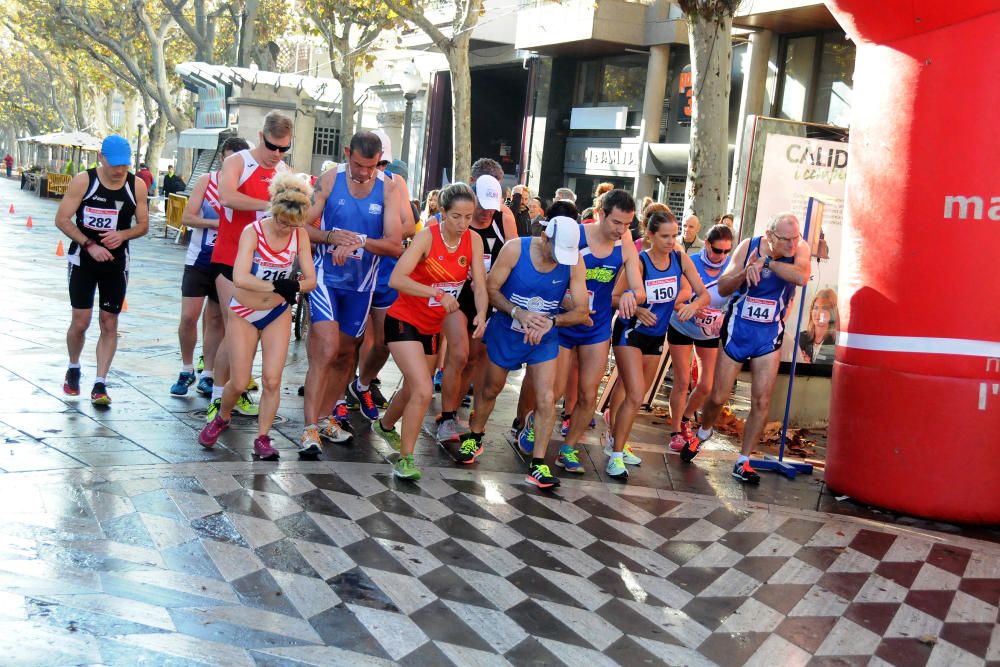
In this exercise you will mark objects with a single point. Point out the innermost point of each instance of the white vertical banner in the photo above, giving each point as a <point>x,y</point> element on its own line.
<point>807,177</point>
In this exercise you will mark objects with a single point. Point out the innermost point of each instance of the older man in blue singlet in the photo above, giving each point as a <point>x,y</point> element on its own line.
<point>762,276</point>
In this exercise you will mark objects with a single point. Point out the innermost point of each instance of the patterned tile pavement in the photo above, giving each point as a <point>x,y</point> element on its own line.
<point>337,563</point>
<point>123,543</point>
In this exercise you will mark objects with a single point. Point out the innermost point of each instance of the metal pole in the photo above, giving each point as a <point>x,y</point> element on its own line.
<point>407,120</point>
<point>795,356</point>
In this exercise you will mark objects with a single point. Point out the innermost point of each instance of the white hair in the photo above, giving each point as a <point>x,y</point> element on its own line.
<point>778,218</point>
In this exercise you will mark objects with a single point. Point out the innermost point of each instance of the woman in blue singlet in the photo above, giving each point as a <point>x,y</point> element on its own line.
<point>638,341</point>
<point>700,333</point>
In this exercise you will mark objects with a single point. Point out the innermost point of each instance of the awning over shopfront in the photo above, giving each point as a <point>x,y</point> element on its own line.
<point>670,159</point>
<point>201,138</point>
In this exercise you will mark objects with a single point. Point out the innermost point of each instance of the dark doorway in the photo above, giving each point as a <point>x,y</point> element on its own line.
<point>498,107</point>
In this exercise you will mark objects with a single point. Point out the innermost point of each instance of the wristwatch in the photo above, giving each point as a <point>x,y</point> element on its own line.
<point>552,317</point>
<point>512,311</point>
<point>363,238</point>
<point>767,261</point>
<point>439,295</point>
<point>87,243</point>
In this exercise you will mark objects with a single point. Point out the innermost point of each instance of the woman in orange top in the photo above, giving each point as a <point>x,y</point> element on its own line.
<point>429,276</point>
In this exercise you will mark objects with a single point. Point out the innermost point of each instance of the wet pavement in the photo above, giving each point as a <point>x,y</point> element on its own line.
<point>124,542</point>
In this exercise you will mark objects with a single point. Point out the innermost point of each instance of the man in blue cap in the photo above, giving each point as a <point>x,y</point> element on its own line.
<point>96,214</point>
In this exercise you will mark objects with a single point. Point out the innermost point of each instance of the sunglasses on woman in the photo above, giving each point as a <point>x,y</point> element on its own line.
<point>276,147</point>
<point>720,252</point>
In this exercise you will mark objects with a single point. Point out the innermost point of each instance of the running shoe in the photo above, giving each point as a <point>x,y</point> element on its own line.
<point>607,441</point>
<point>515,427</point>
<point>404,469</point>
<point>99,395</point>
<point>309,445</point>
<point>564,429</point>
<point>541,477</point>
<point>252,385</point>
<point>391,437</point>
<point>352,403</point>
<point>688,432</point>
<point>205,386</point>
<point>526,436</point>
<point>184,380</point>
<point>447,430</point>
<point>569,460</point>
<point>245,406</point>
<point>467,401</point>
<point>438,377</point>
<point>679,442</point>
<point>71,385</point>
<point>628,456</point>
<point>616,468</point>
<point>466,449</point>
<point>200,366</point>
<point>213,409</point>
<point>593,422</point>
<point>343,418</point>
<point>377,397</point>
<point>213,429</point>
<point>607,418</point>
<point>364,398</point>
<point>745,473</point>
<point>329,429</point>
<point>263,448</point>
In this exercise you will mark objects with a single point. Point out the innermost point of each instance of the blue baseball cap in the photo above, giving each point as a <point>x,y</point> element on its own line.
<point>116,150</point>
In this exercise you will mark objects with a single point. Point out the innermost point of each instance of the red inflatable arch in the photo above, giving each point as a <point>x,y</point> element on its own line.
<point>915,413</point>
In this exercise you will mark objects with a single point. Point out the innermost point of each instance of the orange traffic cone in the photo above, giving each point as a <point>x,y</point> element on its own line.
<point>28,224</point>
<point>59,249</point>
<point>11,209</point>
<point>124,305</point>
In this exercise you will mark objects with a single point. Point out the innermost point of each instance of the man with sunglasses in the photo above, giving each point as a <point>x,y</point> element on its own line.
<point>357,207</point>
<point>762,277</point>
<point>243,184</point>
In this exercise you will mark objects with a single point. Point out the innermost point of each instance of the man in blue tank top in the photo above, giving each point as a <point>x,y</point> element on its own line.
<point>201,216</point>
<point>762,278</point>
<point>358,212</point>
<point>606,248</point>
<point>526,285</point>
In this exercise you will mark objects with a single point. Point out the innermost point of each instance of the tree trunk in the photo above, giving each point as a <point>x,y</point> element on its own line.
<point>347,109</point>
<point>79,105</point>
<point>248,32</point>
<point>156,139</point>
<point>131,115</point>
<point>711,55</point>
<point>461,107</point>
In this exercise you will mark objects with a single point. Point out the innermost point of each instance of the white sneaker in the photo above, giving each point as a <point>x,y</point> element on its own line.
<point>329,430</point>
<point>628,456</point>
<point>448,431</point>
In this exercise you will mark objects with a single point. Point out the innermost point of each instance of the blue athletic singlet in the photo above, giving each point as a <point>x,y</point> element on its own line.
<point>755,318</point>
<point>708,324</point>
<point>532,290</point>
<point>199,252</point>
<point>362,216</point>
<point>661,293</point>
<point>385,266</point>
<point>601,276</point>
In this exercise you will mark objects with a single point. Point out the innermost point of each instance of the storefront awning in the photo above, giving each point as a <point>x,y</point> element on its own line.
<point>670,159</point>
<point>202,138</point>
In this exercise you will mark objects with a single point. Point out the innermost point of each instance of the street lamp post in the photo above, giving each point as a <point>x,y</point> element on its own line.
<point>410,82</point>
<point>138,145</point>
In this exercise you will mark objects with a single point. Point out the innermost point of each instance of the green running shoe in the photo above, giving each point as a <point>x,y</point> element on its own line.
<point>391,437</point>
<point>245,406</point>
<point>404,468</point>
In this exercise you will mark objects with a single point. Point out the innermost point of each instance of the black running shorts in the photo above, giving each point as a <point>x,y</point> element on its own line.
<point>625,336</point>
<point>398,331</point>
<point>198,283</point>
<point>675,337</point>
<point>109,279</point>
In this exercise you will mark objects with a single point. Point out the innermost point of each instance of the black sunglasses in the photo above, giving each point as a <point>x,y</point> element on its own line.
<point>276,147</point>
<point>720,252</point>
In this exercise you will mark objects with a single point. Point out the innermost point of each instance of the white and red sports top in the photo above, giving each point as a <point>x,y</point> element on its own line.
<point>253,182</point>
<point>271,264</point>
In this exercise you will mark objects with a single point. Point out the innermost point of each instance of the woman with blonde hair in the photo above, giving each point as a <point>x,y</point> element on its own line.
<point>817,342</point>
<point>265,290</point>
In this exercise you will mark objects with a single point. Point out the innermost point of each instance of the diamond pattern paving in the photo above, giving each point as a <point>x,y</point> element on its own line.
<point>240,563</point>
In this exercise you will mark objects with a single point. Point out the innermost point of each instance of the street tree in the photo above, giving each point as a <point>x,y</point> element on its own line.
<point>710,24</point>
<point>453,42</point>
<point>349,27</point>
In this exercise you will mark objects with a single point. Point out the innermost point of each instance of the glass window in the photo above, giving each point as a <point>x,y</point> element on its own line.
<point>835,81</point>
<point>616,81</point>
<point>798,72</point>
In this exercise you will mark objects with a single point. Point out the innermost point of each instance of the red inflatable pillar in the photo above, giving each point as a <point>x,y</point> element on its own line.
<point>915,412</point>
